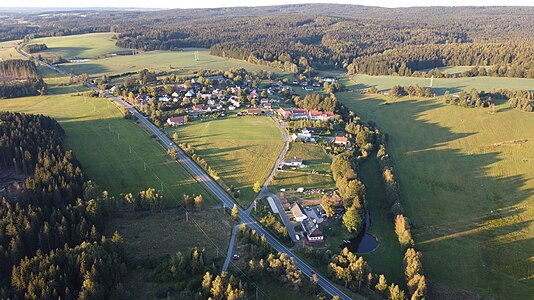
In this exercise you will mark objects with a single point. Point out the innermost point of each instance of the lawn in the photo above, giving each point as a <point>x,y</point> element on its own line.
<point>8,51</point>
<point>101,139</point>
<point>242,150</point>
<point>179,62</point>
<point>440,85</point>
<point>316,159</point>
<point>467,184</point>
<point>387,258</point>
<point>89,45</point>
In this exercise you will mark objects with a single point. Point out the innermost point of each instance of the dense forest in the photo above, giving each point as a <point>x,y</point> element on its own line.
<point>50,223</point>
<point>299,37</point>
<point>20,78</point>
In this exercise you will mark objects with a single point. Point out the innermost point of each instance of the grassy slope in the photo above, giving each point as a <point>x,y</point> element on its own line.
<point>440,85</point>
<point>81,45</point>
<point>452,176</point>
<point>7,50</point>
<point>316,159</point>
<point>242,150</point>
<point>181,62</point>
<point>105,158</point>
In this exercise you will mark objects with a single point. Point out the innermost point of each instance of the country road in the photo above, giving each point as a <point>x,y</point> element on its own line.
<point>216,190</point>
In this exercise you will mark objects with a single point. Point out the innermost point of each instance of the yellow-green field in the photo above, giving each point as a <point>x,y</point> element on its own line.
<point>7,50</point>
<point>242,150</point>
<point>467,184</point>
<point>180,62</point>
<point>440,85</point>
<point>316,159</point>
<point>101,139</point>
<point>81,45</point>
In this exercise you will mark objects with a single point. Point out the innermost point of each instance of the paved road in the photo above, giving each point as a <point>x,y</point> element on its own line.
<point>219,192</point>
<point>231,248</point>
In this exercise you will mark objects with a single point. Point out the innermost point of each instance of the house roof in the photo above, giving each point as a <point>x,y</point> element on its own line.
<point>179,119</point>
<point>255,111</point>
<point>300,111</point>
<point>340,139</point>
<point>293,160</point>
<point>297,210</point>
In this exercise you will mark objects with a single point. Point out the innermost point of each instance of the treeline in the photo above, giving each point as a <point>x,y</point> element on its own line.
<point>399,91</point>
<point>33,48</point>
<point>50,227</point>
<point>317,102</point>
<point>512,59</point>
<point>20,78</point>
<point>520,99</point>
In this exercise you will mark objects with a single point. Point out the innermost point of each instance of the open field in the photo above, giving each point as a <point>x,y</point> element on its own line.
<point>179,62</point>
<point>7,50</point>
<point>467,184</point>
<point>148,236</point>
<point>242,150</point>
<point>81,45</point>
<point>101,139</point>
<point>316,159</point>
<point>440,85</point>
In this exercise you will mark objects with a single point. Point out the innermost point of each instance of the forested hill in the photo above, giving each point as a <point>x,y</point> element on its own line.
<point>290,36</point>
<point>18,69</point>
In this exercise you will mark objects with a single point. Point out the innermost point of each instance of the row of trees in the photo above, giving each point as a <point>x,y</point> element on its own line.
<point>33,48</point>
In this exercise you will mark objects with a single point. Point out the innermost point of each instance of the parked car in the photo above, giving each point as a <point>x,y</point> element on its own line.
<point>235,257</point>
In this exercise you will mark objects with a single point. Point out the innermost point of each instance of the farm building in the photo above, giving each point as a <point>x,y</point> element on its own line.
<point>298,212</point>
<point>254,112</point>
<point>292,162</point>
<point>176,121</point>
<point>341,140</point>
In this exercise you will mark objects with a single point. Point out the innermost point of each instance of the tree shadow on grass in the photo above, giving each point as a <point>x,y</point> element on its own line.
<point>473,228</point>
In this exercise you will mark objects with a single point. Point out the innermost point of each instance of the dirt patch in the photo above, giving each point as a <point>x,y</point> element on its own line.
<point>440,291</point>
<point>512,142</point>
<point>11,182</point>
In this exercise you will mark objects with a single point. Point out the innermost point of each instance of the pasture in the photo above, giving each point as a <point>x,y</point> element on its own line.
<point>8,51</point>
<point>90,45</point>
<point>242,150</point>
<point>101,139</point>
<point>440,85</point>
<point>467,184</point>
<point>316,159</point>
<point>179,62</point>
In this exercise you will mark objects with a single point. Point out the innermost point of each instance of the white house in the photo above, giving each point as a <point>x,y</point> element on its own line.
<point>298,212</point>
<point>176,121</point>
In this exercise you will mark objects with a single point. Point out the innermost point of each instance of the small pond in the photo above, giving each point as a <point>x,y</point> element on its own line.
<point>364,242</point>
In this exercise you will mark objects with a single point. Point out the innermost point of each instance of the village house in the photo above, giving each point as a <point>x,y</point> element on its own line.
<point>176,121</point>
<point>329,79</point>
<point>298,212</point>
<point>204,96</point>
<point>283,113</point>
<point>341,140</point>
<point>142,98</point>
<point>304,135</point>
<point>299,113</point>
<point>164,98</point>
<point>254,112</point>
<point>313,233</point>
<point>268,106</point>
<point>190,93</point>
<point>320,115</point>
<point>292,162</point>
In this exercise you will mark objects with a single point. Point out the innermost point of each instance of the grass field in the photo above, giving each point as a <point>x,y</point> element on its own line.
<point>81,45</point>
<point>179,62</point>
<point>242,150</point>
<point>156,234</point>
<point>101,139</point>
<point>7,50</point>
<point>440,85</point>
<point>316,159</point>
<point>467,184</point>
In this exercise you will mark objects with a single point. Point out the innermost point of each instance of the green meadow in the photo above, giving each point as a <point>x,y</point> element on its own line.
<point>88,45</point>
<point>242,150</point>
<point>467,183</point>
<point>440,85</point>
<point>101,139</point>
<point>8,51</point>
<point>178,62</point>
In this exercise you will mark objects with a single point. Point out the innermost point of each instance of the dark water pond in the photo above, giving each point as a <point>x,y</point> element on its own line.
<point>364,242</point>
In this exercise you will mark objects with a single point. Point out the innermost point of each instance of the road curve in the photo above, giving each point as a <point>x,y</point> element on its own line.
<point>216,190</point>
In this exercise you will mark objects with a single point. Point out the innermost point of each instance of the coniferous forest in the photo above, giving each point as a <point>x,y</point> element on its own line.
<point>20,78</point>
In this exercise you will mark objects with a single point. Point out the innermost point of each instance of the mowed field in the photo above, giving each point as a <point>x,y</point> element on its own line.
<point>440,85</point>
<point>242,150</point>
<point>78,46</point>
<point>179,62</point>
<point>315,158</point>
<point>8,51</point>
<point>101,139</point>
<point>467,184</point>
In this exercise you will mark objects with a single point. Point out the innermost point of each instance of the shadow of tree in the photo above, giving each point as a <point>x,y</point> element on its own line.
<point>473,225</point>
